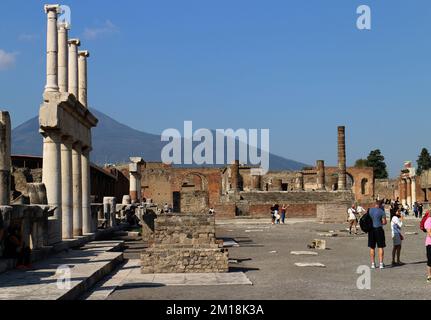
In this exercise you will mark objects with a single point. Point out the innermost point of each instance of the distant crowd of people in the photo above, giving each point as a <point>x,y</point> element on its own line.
<point>278,215</point>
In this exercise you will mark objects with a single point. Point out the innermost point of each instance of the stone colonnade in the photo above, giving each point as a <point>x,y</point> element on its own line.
<point>65,124</point>
<point>408,194</point>
<point>135,172</point>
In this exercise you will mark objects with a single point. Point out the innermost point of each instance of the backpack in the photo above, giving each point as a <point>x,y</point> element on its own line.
<point>366,222</point>
<point>424,219</point>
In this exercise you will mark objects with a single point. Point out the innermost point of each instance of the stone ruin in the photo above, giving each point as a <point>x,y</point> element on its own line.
<point>184,243</point>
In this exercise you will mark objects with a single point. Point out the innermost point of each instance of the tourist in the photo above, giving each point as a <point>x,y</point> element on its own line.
<point>360,211</point>
<point>277,215</point>
<point>421,210</point>
<point>166,208</point>
<point>376,237</point>
<point>397,237</point>
<point>416,209</point>
<point>427,227</point>
<point>273,214</point>
<point>15,248</point>
<point>283,214</point>
<point>352,219</point>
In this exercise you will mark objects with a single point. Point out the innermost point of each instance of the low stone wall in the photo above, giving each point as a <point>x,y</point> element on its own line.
<point>332,212</point>
<point>184,243</point>
<point>184,260</point>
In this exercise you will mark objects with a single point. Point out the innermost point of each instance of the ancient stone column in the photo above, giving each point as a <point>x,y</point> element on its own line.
<point>73,67</point>
<point>63,57</point>
<point>342,170</point>
<point>256,181</point>
<point>235,176</point>
<point>299,181</point>
<point>403,191</point>
<point>321,183</point>
<point>414,194</point>
<point>67,187</point>
<point>52,48</point>
<point>86,192</point>
<point>82,76</point>
<point>5,160</point>
<point>77,189</point>
<point>409,192</point>
<point>51,172</point>
<point>135,170</point>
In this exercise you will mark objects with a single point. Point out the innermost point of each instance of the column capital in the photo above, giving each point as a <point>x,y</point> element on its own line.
<point>63,26</point>
<point>75,42</point>
<point>52,7</point>
<point>84,53</point>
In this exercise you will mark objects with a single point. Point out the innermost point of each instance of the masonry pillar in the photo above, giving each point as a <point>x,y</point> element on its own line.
<point>299,181</point>
<point>63,58</point>
<point>256,181</point>
<point>342,170</point>
<point>86,192</point>
<point>82,76</point>
<point>409,192</point>
<point>414,194</point>
<point>52,48</point>
<point>73,67</point>
<point>235,176</point>
<point>277,185</point>
<point>67,188</point>
<point>5,160</point>
<point>77,189</point>
<point>321,183</point>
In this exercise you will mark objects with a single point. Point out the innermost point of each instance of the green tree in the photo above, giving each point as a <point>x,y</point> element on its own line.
<point>361,163</point>
<point>377,161</point>
<point>424,161</point>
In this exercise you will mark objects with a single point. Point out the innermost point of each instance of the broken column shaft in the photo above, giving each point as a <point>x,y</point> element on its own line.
<point>5,160</point>
<point>342,169</point>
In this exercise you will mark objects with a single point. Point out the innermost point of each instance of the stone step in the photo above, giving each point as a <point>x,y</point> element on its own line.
<point>86,267</point>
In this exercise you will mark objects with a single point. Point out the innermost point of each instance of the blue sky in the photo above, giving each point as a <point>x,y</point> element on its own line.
<point>297,67</point>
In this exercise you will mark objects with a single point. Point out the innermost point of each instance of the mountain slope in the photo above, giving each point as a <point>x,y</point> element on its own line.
<point>114,142</point>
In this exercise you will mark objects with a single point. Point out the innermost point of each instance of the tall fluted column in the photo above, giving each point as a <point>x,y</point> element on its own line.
<point>67,187</point>
<point>63,58</point>
<point>82,76</point>
<point>52,48</point>
<point>414,194</point>
<point>73,67</point>
<point>342,170</point>
<point>86,205</point>
<point>403,191</point>
<point>409,192</point>
<point>51,175</point>
<point>77,189</point>
<point>321,183</point>
<point>5,160</point>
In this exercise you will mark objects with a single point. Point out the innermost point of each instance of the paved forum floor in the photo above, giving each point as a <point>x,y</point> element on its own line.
<point>264,256</point>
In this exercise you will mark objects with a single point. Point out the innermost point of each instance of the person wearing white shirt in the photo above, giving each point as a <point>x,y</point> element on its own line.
<point>396,226</point>
<point>353,222</point>
<point>360,211</point>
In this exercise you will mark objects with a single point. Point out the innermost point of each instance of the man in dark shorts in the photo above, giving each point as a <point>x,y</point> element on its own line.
<point>376,237</point>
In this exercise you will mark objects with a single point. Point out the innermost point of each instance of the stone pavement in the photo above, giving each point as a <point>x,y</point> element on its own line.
<point>129,276</point>
<point>265,258</point>
<point>87,265</point>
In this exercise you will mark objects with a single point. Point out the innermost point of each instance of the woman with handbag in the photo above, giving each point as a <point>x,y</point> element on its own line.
<point>396,225</point>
